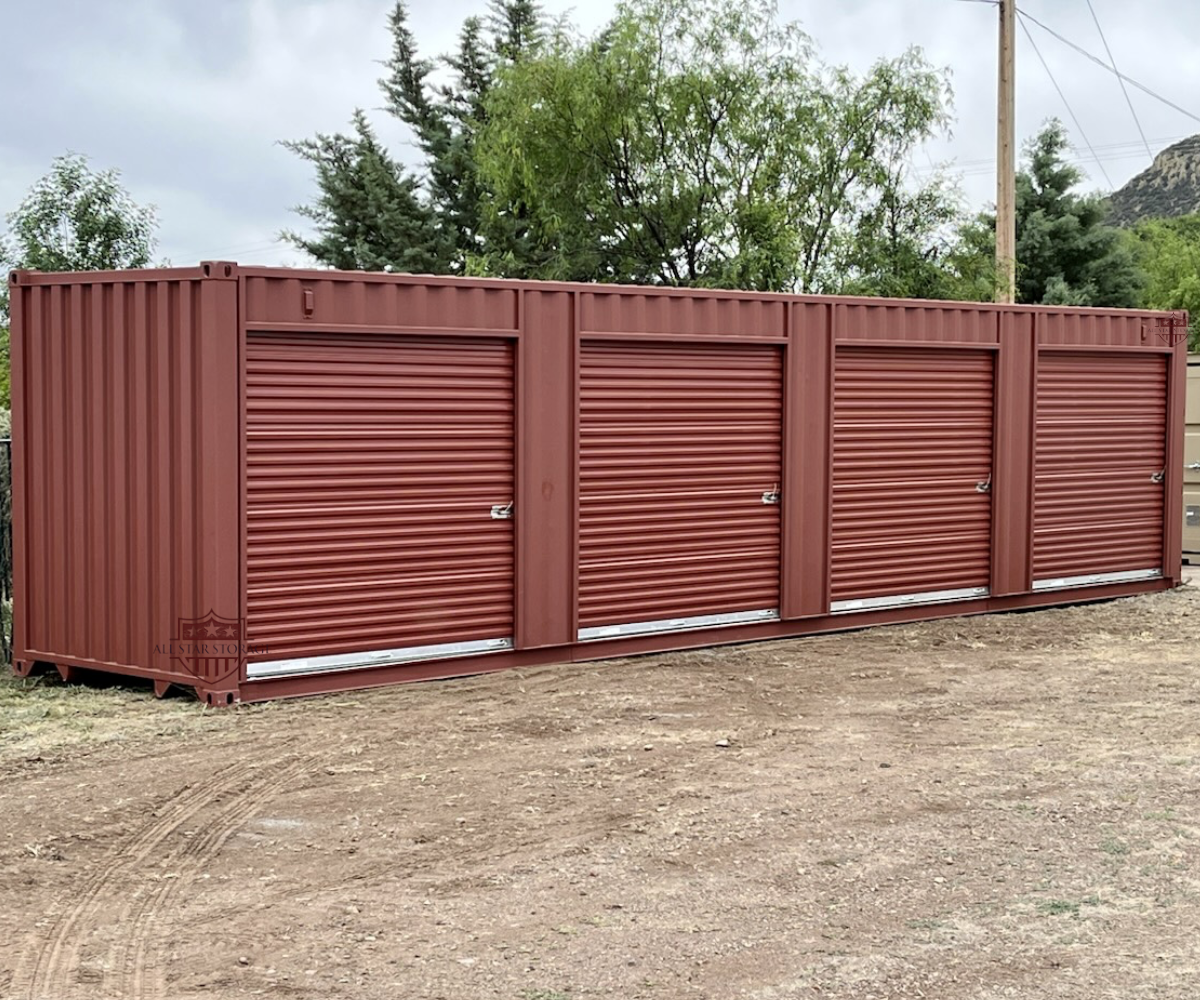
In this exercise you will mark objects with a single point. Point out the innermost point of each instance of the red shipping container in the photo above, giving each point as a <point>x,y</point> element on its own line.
<point>264,482</point>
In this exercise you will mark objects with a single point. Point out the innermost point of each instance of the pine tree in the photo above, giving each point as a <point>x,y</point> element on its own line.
<point>370,214</point>
<point>444,120</point>
<point>1066,254</point>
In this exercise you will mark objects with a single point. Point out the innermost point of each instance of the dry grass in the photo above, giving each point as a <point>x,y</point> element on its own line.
<point>42,718</point>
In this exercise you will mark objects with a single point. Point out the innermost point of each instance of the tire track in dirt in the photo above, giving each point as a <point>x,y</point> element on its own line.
<point>484,858</point>
<point>46,977</point>
<point>140,976</point>
<point>46,969</point>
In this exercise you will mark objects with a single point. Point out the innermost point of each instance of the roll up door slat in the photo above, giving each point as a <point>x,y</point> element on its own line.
<point>912,444</point>
<point>677,446</point>
<point>372,467</point>
<point>1101,441</point>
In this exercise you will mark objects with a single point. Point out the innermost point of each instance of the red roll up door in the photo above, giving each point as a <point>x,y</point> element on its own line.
<point>372,467</point>
<point>912,464</point>
<point>1101,452</point>
<point>678,445</point>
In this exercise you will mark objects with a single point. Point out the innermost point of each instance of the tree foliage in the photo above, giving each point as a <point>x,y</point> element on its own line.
<point>699,144</point>
<point>426,219</point>
<point>370,214</point>
<point>76,219</point>
<point>1169,252</point>
<point>683,143</point>
<point>1066,255</point>
<point>5,359</point>
<point>72,219</point>
<point>691,143</point>
<point>917,245</point>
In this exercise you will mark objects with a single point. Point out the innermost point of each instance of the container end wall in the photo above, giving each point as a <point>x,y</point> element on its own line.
<point>125,473</point>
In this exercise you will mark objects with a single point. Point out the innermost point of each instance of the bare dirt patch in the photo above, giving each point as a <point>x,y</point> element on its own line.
<point>1003,806</point>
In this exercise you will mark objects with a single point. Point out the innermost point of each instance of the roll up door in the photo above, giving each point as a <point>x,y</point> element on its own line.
<point>1101,447</point>
<point>912,464</point>
<point>1191,464</point>
<point>378,484</point>
<point>679,475</point>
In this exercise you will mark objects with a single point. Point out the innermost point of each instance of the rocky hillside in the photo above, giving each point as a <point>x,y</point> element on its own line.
<point>1167,188</point>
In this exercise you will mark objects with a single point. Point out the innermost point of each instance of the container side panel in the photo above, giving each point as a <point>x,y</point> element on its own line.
<point>106,489</point>
<point>140,474</point>
<point>20,299</point>
<point>807,472</point>
<point>98,551</point>
<point>678,444</point>
<point>1176,433</point>
<point>50,528</point>
<point>75,402</point>
<point>373,465</point>
<point>917,324</point>
<point>1101,440</point>
<point>544,513</point>
<point>1098,330</point>
<point>912,459</point>
<point>347,300</point>
<point>217,346</point>
<point>1012,487</point>
<point>680,315</point>
<point>118,414</point>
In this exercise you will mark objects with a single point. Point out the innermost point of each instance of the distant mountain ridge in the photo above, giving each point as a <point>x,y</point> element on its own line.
<point>1169,187</point>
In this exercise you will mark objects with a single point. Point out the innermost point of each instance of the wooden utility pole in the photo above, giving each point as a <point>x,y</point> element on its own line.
<point>1006,184</point>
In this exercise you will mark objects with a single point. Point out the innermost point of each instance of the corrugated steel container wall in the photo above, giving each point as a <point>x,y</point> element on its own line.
<point>321,452</point>
<point>125,402</point>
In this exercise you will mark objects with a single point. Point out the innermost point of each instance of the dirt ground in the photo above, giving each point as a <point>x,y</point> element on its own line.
<point>1002,806</point>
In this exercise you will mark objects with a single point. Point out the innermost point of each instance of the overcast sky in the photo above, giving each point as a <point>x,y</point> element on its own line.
<point>189,99</point>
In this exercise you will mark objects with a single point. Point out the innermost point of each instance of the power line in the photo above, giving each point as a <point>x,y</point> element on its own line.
<point>1083,135</point>
<point>1124,89</point>
<point>1106,153</point>
<point>258,247</point>
<point>1112,69</point>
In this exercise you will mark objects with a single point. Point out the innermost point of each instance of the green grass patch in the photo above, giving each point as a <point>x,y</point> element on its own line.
<point>1058,908</point>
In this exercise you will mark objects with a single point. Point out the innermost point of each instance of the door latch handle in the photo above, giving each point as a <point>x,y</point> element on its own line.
<point>1194,467</point>
<point>502,511</point>
<point>771,496</point>
<point>985,486</point>
<point>1158,477</point>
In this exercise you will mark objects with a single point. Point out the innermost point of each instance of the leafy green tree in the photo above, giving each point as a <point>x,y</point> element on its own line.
<point>697,144</point>
<point>914,243</point>
<point>1066,254</point>
<point>76,219</point>
<point>5,359</point>
<point>73,219</point>
<point>1169,252</point>
<point>438,205</point>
